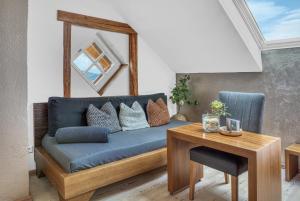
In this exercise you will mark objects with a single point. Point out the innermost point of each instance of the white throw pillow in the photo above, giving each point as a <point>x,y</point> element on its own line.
<point>132,118</point>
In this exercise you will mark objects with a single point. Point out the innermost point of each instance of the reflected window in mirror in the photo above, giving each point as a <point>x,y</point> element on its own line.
<point>96,63</point>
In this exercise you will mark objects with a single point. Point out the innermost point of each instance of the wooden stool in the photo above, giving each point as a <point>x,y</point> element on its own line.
<point>292,154</point>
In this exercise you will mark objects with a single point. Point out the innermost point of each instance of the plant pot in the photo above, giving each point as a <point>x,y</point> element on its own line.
<point>210,123</point>
<point>179,117</point>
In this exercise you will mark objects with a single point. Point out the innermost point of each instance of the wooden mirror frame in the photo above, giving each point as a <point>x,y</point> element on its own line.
<point>70,19</point>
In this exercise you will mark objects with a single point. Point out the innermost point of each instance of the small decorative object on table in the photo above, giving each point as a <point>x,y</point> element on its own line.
<point>211,122</point>
<point>181,95</point>
<point>232,124</point>
<point>232,128</point>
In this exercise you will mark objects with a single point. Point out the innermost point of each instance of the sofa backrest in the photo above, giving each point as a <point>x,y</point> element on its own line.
<point>68,112</point>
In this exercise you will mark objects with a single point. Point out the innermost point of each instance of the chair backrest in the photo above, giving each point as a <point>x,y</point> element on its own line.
<point>246,107</point>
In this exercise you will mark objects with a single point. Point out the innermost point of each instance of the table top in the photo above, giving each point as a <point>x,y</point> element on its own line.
<point>294,148</point>
<point>247,141</point>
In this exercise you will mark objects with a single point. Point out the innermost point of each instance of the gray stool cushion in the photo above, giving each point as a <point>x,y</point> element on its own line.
<point>219,160</point>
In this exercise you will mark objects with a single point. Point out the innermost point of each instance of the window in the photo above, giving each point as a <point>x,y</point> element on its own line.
<point>273,23</point>
<point>276,19</point>
<point>96,63</point>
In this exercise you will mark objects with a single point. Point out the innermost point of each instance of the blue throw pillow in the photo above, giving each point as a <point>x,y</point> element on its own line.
<point>81,135</point>
<point>132,118</point>
<point>106,117</point>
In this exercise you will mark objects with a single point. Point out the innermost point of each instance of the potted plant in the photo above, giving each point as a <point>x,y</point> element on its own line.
<point>211,121</point>
<point>218,108</point>
<point>181,95</point>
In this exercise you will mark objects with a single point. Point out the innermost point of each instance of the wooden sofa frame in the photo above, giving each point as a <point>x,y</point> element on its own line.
<point>80,186</point>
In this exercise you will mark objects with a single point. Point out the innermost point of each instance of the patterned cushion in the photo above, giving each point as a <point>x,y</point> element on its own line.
<point>158,113</point>
<point>132,118</point>
<point>106,117</point>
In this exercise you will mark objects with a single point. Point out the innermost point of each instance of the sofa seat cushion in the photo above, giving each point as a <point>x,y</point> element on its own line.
<point>124,144</point>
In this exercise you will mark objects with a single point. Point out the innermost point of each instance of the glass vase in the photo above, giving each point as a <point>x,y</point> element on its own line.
<point>210,123</point>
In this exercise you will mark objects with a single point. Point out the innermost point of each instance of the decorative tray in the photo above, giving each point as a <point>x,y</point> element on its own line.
<point>223,130</point>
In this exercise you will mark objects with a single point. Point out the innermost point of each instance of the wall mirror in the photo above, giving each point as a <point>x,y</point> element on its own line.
<point>100,59</point>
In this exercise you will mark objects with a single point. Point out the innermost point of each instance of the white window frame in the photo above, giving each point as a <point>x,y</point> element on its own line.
<point>94,63</point>
<point>114,57</point>
<point>253,27</point>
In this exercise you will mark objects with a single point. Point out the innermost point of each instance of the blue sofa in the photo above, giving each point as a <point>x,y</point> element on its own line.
<point>65,112</point>
<point>141,150</point>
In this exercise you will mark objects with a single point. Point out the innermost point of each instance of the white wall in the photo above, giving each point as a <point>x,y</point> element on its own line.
<point>45,56</point>
<point>14,179</point>
<point>194,36</point>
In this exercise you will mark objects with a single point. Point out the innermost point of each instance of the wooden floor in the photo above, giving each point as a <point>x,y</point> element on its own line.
<point>153,186</point>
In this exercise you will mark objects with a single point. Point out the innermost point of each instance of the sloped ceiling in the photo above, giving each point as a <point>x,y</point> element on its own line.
<point>194,36</point>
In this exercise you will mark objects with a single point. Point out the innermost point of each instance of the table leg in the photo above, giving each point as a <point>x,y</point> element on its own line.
<point>264,174</point>
<point>291,166</point>
<point>178,164</point>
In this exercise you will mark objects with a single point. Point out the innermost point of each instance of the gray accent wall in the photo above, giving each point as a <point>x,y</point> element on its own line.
<point>279,81</point>
<point>14,179</point>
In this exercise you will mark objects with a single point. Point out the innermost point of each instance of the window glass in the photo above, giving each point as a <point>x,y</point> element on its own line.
<point>277,19</point>
<point>83,62</point>
<point>93,73</point>
<point>105,63</point>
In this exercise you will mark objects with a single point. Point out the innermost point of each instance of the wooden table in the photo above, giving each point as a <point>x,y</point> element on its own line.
<point>292,154</point>
<point>263,153</point>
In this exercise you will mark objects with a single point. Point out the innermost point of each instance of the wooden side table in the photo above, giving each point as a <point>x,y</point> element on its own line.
<point>263,153</point>
<point>292,154</point>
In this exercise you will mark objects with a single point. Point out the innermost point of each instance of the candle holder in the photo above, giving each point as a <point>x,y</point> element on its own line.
<point>211,123</point>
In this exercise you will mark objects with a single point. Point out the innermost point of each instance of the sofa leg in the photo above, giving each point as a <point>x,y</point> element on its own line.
<point>83,197</point>
<point>226,176</point>
<point>39,173</point>
<point>38,170</point>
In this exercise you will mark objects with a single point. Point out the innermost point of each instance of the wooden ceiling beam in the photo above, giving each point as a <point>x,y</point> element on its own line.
<point>94,22</point>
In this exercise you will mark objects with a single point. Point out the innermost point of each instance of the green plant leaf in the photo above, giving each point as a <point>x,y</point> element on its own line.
<point>181,92</point>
